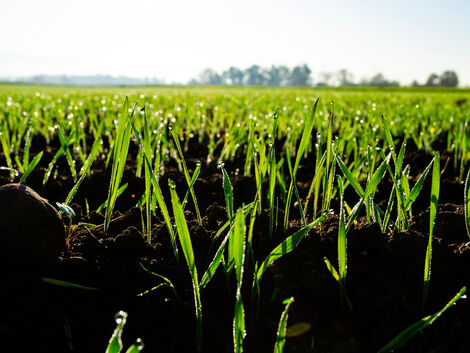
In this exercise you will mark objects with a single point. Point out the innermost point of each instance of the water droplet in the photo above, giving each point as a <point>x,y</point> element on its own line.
<point>171,184</point>
<point>221,164</point>
<point>139,344</point>
<point>198,163</point>
<point>120,317</point>
<point>170,127</point>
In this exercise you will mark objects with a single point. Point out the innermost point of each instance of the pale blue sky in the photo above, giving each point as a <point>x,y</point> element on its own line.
<point>175,40</point>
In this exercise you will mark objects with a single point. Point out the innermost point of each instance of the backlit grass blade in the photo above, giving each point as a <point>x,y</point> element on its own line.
<point>215,262</point>
<point>272,185</point>
<point>51,165</point>
<point>304,141</point>
<point>327,196</point>
<point>137,347</point>
<point>282,327</point>
<point>218,256</point>
<point>31,167</point>
<point>158,193</point>
<point>336,276</point>
<point>115,343</point>
<point>329,176</point>
<point>287,245</point>
<point>121,148</point>
<point>68,155</point>
<point>371,186</point>
<point>388,135</point>
<point>166,282</point>
<point>400,157</point>
<point>6,147</point>
<point>417,187</point>
<point>66,284</point>
<point>258,180</point>
<point>186,173</point>
<point>228,191</point>
<point>27,145</point>
<point>352,180</point>
<point>435,185</point>
<point>193,180</point>
<point>417,327</point>
<point>238,324</point>
<point>236,252</point>
<point>342,255</point>
<point>236,246</point>
<point>315,181</point>
<point>186,245</point>
<point>84,170</point>
<point>148,179</point>
<point>377,177</point>
<point>388,211</point>
<point>296,192</point>
<point>466,203</point>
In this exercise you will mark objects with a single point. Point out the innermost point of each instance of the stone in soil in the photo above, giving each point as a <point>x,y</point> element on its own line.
<point>31,230</point>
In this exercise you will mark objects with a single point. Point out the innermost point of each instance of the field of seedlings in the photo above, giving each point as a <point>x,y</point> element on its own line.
<point>214,220</point>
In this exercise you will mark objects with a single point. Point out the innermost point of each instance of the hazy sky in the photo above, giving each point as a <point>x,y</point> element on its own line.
<point>175,40</point>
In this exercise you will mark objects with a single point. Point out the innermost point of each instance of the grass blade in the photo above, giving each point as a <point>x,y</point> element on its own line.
<point>336,276</point>
<point>186,173</point>
<point>218,256</point>
<point>83,172</point>
<point>236,246</point>
<point>228,191</point>
<point>287,245</point>
<point>115,343</point>
<point>436,176</point>
<point>282,327</point>
<point>466,203</point>
<point>237,252</point>
<point>66,284</point>
<point>417,187</point>
<point>349,176</point>
<point>31,167</point>
<point>158,193</point>
<point>121,148</point>
<point>342,255</point>
<point>306,134</point>
<point>186,245</point>
<point>137,347</point>
<point>417,327</point>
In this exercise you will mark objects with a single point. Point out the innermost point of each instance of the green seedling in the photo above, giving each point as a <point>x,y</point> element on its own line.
<point>120,151</point>
<point>466,202</point>
<point>282,327</point>
<point>186,245</point>
<point>115,343</point>
<point>30,167</point>
<point>436,175</point>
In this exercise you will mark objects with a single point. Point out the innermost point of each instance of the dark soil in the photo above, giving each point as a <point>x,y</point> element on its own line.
<point>384,280</point>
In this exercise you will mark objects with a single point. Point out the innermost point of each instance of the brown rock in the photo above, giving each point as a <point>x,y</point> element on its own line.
<point>31,230</point>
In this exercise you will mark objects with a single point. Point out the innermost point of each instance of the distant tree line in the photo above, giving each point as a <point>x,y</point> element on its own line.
<point>256,75</point>
<point>447,79</point>
<point>281,75</point>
